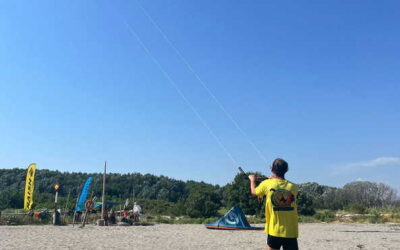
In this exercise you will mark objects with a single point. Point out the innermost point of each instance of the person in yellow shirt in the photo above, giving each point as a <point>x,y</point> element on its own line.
<point>281,221</point>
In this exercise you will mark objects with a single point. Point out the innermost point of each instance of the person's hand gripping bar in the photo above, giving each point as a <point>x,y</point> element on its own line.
<point>258,178</point>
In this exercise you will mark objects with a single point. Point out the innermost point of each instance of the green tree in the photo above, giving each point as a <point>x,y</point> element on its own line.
<point>202,202</point>
<point>305,204</point>
<point>238,193</point>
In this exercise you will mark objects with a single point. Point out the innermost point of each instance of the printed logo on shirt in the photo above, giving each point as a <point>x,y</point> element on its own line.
<point>282,199</point>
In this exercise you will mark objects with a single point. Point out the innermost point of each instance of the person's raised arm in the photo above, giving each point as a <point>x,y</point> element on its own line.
<point>253,178</point>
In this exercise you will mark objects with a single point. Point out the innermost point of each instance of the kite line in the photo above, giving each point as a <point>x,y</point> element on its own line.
<point>181,94</point>
<point>202,83</point>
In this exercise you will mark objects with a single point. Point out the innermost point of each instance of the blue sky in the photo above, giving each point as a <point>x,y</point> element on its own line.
<point>313,82</point>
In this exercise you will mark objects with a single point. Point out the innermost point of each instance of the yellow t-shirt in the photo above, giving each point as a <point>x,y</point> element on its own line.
<point>280,209</point>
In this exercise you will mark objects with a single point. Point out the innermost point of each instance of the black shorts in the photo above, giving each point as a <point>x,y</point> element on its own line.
<point>286,243</point>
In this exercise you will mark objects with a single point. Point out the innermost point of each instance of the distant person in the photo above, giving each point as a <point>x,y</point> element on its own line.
<point>136,211</point>
<point>105,214</point>
<point>281,221</point>
<point>124,214</point>
<point>113,218</point>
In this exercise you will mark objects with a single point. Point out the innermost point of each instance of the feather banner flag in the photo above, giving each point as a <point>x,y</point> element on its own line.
<point>84,193</point>
<point>29,186</point>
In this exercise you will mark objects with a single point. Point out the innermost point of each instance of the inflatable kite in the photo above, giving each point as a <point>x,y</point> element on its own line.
<point>233,220</point>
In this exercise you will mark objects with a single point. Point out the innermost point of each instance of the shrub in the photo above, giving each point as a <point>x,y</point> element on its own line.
<point>209,220</point>
<point>357,208</point>
<point>376,217</point>
<point>256,220</point>
<point>307,219</point>
<point>14,220</point>
<point>163,220</point>
<point>326,216</point>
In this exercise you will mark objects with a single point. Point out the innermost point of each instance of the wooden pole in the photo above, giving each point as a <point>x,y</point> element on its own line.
<point>103,201</point>
<point>84,219</point>
<point>66,206</point>
<point>56,215</point>
<point>76,205</point>
<point>103,221</point>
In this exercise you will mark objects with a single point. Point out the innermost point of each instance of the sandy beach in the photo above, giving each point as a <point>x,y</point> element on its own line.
<point>164,236</point>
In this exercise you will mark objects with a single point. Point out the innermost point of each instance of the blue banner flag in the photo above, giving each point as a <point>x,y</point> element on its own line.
<point>84,193</point>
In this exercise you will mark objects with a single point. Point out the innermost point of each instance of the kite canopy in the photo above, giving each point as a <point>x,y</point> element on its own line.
<point>233,220</point>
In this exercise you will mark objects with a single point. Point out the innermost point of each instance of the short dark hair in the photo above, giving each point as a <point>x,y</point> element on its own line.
<point>280,167</point>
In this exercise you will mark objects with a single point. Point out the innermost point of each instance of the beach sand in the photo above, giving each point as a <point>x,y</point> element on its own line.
<point>163,236</point>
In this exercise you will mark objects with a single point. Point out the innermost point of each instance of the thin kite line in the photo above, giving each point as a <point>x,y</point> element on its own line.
<point>155,61</point>
<point>227,114</point>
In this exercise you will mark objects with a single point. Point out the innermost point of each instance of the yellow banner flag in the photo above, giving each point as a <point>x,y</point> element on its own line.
<point>29,186</point>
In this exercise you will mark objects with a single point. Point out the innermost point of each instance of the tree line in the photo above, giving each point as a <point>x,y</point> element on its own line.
<point>166,196</point>
<point>356,196</point>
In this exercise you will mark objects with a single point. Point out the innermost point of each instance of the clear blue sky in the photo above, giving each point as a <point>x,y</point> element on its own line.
<point>316,83</point>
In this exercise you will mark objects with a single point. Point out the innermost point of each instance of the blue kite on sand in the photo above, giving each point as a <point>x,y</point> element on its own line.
<point>233,220</point>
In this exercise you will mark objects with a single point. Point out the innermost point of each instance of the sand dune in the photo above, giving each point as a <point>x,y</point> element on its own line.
<point>312,236</point>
